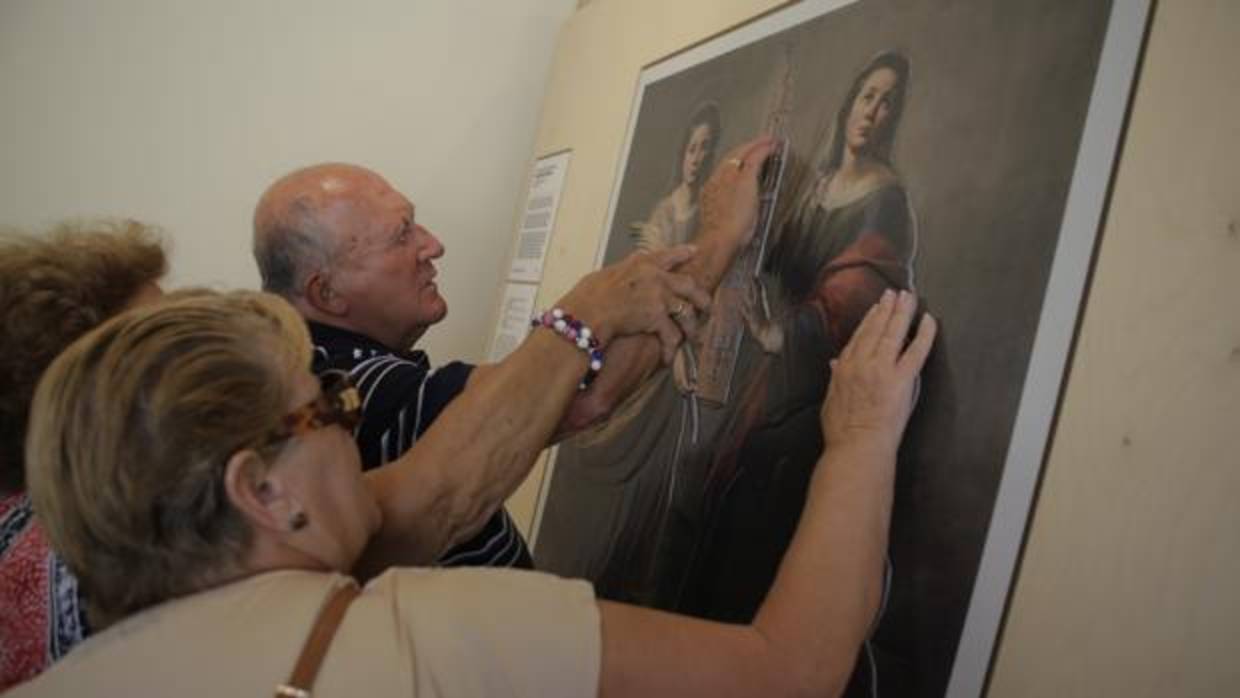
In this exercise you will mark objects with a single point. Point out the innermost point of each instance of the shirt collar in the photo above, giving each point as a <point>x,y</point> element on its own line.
<point>338,340</point>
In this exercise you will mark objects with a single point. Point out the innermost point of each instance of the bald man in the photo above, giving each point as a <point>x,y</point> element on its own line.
<point>345,248</point>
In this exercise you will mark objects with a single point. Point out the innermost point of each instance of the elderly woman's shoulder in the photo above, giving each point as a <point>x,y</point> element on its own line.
<point>480,631</point>
<point>499,588</point>
<point>232,638</point>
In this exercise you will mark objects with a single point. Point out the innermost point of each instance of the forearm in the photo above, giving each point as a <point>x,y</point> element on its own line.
<point>630,360</point>
<point>715,254</point>
<point>805,637</point>
<point>829,585</point>
<point>478,451</point>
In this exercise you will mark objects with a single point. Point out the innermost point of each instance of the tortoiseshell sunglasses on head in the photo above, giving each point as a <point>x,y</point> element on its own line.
<point>338,402</point>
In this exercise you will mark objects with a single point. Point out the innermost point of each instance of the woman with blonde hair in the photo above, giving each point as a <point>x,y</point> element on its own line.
<point>213,509</point>
<point>53,288</point>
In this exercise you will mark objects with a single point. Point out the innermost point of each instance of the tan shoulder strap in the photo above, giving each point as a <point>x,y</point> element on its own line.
<point>307,668</point>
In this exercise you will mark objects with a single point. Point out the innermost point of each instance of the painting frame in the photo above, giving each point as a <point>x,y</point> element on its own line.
<point>1063,298</point>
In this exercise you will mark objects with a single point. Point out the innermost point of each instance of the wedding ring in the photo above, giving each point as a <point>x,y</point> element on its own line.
<point>675,312</point>
<point>738,163</point>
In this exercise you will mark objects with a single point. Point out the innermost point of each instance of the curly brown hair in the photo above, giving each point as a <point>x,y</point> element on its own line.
<point>53,289</point>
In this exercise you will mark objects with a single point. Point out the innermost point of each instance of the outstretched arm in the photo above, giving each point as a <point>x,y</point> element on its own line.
<point>482,445</point>
<point>805,637</point>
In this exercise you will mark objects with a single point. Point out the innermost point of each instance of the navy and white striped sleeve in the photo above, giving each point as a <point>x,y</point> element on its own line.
<point>400,400</point>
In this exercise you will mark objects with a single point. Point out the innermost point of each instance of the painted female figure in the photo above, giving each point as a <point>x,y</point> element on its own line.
<point>699,525</point>
<point>658,518</point>
<point>621,474</point>
<point>674,219</point>
<point>850,235</point>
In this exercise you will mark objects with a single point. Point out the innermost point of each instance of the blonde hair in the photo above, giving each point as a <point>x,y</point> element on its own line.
<point>131,429</point>
<point>53,289</point>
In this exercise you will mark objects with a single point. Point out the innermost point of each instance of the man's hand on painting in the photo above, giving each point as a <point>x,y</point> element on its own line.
<point>641,294</point>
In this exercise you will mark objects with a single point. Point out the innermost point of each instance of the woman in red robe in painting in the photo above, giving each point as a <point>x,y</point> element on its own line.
<point>849,235</point>
<point>656,516</point>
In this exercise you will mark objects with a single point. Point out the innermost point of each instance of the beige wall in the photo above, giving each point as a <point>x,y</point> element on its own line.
<point>180,112</point>
<point>1131,578</point>
<point>1129,586</point>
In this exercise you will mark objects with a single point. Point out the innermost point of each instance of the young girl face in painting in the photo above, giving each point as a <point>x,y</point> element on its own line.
<point>697,150</point>
<point>871,110</point>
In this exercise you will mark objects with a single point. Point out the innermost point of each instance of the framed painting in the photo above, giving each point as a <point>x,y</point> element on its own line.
<point>962,150</point>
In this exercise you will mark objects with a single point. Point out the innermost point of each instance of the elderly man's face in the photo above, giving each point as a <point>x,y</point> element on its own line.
<point>384,268</point>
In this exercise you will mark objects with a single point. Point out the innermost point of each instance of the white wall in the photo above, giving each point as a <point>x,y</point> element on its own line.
<point>180,113</point>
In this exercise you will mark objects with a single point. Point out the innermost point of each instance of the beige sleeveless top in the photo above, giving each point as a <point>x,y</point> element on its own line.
<point>412,632</point>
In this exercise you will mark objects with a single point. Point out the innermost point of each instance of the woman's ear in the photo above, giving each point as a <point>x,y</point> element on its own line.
<point>322,297</point>
<point>257,491</point>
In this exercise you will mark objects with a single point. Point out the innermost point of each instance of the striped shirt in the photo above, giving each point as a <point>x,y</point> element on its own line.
<point>401,397</point>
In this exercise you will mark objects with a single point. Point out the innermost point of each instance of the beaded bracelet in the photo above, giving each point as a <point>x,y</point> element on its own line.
<point>576,332</point>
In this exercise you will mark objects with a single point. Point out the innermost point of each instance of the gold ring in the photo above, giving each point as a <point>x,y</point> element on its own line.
<point>675,312</point>
<point>738,163</point>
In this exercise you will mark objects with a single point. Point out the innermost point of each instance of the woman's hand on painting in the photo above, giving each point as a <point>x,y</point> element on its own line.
<point>642,294</point>
<point>872,382</point>
<point>729,199</point>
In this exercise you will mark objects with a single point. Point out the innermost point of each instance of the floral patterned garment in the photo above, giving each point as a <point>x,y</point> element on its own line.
<point>41,614</point>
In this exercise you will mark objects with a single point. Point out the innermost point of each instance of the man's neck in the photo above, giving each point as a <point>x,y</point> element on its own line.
<point>338,322</point>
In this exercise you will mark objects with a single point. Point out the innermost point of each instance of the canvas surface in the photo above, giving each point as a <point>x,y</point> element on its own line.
<point>687,498</point>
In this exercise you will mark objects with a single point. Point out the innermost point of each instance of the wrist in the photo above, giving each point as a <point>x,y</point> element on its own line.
<point>866,450</point>
<point>601,327</point>
<point>578,335</point>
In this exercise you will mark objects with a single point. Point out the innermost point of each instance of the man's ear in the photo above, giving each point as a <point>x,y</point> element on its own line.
<point>319,293</point>
<point>258,492</point>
